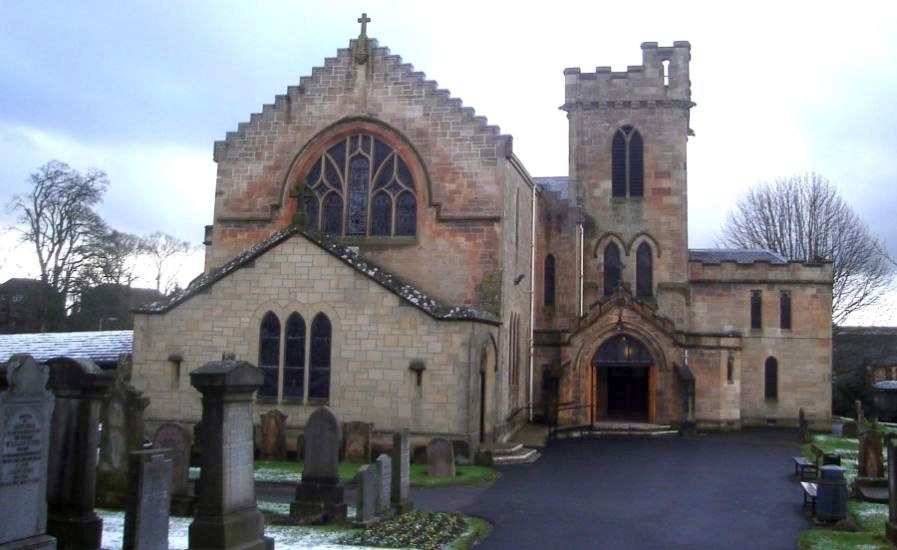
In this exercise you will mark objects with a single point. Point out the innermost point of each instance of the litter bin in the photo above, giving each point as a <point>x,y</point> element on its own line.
<point>831,459</point>
<point>831,494</point>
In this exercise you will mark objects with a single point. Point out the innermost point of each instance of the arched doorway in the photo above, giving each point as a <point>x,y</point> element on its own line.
<point>624,380</point>
<point>487,384</point>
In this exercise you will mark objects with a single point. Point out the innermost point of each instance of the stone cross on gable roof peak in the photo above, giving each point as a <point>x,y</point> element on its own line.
<point>364,20</point>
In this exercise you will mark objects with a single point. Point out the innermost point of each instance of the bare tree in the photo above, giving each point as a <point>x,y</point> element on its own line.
<point>111,258</point>
<point>167,254</point>
<point>57,217</point>
<point>804,218</point>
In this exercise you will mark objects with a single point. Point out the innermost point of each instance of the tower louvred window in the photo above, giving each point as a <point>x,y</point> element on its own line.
<point>361,186</point>
<point>627,163</point>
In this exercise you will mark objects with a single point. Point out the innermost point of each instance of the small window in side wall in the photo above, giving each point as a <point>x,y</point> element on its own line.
<point>269,353</point>
<point>294,358</point>
<point>756,309</point>
<point>611,268</point>
<point>549,280</point>
<point>785,310</point>
<point>644,283</point>
<point>771,378</point>
<point>319,371</point>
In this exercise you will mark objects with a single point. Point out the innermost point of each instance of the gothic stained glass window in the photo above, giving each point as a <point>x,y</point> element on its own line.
<point>644,283</point>
<point>627,163</point>
<point>771,378</point>
<point>362,186</point>
<point>294,357</point>
<point>269,353</point>
<point>319,371</point>
<point>548,276</point>
<point>611,268</point>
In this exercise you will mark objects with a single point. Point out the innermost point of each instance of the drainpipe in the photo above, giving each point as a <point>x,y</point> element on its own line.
<point>532,298</point>
<point>581,236</point>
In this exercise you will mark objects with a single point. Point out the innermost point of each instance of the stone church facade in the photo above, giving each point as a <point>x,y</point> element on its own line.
<point>379,248</point>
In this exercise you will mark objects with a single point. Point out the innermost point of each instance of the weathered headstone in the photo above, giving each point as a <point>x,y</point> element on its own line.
<point>121,416</point>
<point>357,442</point>
<point>870,460</point>
<point>384,489</point>
<point>861,418</point>
<point>226,513</point>
<point>367,485</point>
<point>891,525</point>
<point>849,429</point>
<point>25,412</point>
<point>176,438</point>
<point>274,436</point>
<point>802,425</point>
<point>149,500</point>
<point>320,496</point>
<point>440,458</point>
<point>80,387</point>
<point>401,475</point>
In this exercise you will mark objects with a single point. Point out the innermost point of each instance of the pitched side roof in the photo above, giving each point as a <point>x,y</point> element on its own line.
<point>737,255</point>
<point>99,347</point>
<point>560,185</point>
<point>346,254</point>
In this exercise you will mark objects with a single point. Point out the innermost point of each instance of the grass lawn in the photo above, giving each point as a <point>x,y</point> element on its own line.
<point>282,471</point>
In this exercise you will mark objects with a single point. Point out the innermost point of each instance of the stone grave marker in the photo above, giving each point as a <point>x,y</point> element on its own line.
<point>320,496</point>
<point>149,500</point>
<point>274,436</point>
<point>849,429</point>
<point>401,472</point>
<point>384,489</point>
<point>80,387</point>
<point>121,416</point>
<point>357,442</point>
<point>176,438</point>
<point>367,486</point>
<point>440,458</point>
<point>26,408</point>
<point>802,425</point>
<point>226,513</point>
<point>870,462</point>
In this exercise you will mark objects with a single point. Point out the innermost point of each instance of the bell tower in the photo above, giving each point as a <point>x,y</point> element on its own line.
<point>628,135</point>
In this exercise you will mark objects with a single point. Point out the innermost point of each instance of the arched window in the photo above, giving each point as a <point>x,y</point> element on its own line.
<point>548,281</point>
<point>362,186</point>
<point>611,268</point>
<point>627,163</point>
<point>771,378</point>
<point>269,353</point>
<point>644,277</point>
<point>319,371</point>
<point>294,358</point>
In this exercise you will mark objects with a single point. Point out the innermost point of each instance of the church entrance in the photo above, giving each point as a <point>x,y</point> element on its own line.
<point>623,381</point>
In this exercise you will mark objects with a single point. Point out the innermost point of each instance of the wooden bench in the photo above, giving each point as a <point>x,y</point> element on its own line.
<point>809,495</point>
<point>806,469</point>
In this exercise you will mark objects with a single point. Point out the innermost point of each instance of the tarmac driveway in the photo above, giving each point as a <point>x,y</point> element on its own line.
<point>714,491</point>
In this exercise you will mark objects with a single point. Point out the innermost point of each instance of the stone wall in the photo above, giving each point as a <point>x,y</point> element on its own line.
<point>376,335</point>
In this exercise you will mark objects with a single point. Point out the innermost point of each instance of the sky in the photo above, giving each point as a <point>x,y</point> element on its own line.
<point>142,89</point>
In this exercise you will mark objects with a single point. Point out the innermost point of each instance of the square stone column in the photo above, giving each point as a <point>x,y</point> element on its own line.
<point>226,515</point>
<point>80,387</point>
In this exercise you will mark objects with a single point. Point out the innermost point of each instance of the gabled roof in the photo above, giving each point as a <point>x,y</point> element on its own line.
<point>346,254</point>
<point>737,255</point>
<point>99,347</point>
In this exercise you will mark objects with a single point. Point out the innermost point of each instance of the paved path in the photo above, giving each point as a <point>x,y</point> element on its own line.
<point>713,491</point>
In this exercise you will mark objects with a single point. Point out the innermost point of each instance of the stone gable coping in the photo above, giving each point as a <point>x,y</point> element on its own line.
<point>346,254</point>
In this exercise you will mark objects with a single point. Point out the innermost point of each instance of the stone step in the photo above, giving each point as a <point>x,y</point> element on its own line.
<point>523,456</point>
<point>506,449</point>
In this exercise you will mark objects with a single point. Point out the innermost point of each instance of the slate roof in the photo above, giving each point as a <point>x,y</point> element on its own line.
<point>100,347</point>
<point>737,255</point>
<point>348,255</point>
<point>557,184</point>
<point>887,385</point>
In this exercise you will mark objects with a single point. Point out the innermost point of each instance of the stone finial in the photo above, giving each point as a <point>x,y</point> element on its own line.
<point>362,52</point>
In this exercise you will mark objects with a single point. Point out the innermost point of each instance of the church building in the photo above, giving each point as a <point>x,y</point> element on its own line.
<point>377,247</point>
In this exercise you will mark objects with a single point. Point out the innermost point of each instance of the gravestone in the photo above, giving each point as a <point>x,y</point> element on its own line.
<point>367,485</point>
<point>849,429</point>
<point>320,496</point>
<point>176,438</point>
<point>357,442</point>
<point>149,500</point>
<point>861,418</point>
<point>802,425</point>
<point>384,489</point>
<point>891,525</point>
<point>80,387</point>
<point>121,416</point>
<point>226,513</point>
<point>274,436</point>
<point>870,460</point>
<point>401,474</point>
<point>440,458</point>
<point>25,411</point>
